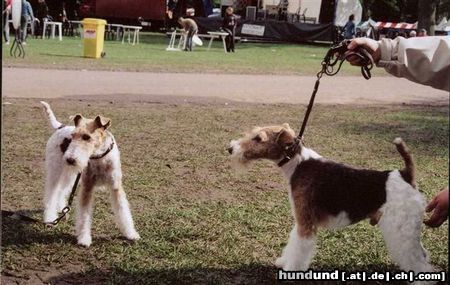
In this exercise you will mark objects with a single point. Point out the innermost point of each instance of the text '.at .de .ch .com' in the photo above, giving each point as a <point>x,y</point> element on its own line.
<point>339,275</point>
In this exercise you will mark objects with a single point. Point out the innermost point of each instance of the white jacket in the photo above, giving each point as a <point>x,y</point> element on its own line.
<point>425,60</point>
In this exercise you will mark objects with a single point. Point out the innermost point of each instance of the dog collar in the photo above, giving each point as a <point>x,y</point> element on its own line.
<point>111,146</point>
<point>289,152</point>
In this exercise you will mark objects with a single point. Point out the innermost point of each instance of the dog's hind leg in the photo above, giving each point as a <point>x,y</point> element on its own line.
<point>122,212</point>
<point>401,225</point>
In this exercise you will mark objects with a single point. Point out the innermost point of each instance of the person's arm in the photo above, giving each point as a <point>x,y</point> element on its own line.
<point>439,206</point>
<point>30,10</point>
<point>424,60</point>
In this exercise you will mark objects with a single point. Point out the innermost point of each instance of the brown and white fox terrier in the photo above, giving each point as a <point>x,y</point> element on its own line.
<point>326,194</point>
<point>90,149</point>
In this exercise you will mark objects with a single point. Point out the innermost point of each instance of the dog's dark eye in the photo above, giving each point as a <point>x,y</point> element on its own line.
<point>257,139</point>
<point>86,137</point>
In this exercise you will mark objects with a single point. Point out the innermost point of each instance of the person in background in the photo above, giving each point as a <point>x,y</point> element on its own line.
<point>229,25</point>
<point>170,8</point>
<point>283,10</point>
<point>42,15</point>
<point>422,33</point>
<point>5,14</point>
<point>412,34</point>
<point>421,60</point>
<point>190,28</point>
<point>27,15</point>
<point>67,31</point>
<point>349,28</point>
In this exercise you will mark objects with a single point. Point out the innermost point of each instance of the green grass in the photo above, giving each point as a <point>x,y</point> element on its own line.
<point>151,55</point>
<point>200,221</point>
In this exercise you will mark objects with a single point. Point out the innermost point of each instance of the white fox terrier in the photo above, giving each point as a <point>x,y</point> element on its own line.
<point>326,194</point>
<point>90,149</point>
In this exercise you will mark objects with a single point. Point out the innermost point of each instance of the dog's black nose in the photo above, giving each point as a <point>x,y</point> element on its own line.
<point>70,161</point>
<point>230,150</point>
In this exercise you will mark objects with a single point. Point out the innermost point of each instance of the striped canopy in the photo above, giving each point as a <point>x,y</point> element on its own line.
<point>405,26</point>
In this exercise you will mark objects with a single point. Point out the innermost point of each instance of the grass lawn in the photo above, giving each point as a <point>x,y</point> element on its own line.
<point>200,221</point>
<point>151,55</point>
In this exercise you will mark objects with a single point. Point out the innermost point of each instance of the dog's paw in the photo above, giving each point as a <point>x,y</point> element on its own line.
<point>49,218</point>
<point>133,236</point>
<point>279,263</point>
<point>85,241</point>
<point>292,266</point>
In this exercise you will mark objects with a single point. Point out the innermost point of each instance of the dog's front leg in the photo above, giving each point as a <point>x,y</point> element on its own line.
<point>299,251</point>
<point>84,212</point>
<point>122,212</point>
<point>53,187</point>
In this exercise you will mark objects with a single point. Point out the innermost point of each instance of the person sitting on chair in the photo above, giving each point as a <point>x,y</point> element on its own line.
<point>190,27</point>
<point>229,26</point>
<point>42,15</point>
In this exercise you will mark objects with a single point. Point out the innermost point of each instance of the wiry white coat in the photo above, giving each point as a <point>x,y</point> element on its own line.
<point>61,176</point>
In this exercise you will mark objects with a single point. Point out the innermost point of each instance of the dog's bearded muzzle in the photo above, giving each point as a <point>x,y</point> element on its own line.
<point>237,155</point>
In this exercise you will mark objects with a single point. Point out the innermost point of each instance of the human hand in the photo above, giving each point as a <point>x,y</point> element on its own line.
<point>372,46</point>
<point>439,206</point>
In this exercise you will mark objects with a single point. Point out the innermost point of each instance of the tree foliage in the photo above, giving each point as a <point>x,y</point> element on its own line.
<point>405,10</point>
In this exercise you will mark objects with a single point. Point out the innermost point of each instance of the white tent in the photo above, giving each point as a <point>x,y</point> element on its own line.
<point>443,25</point>
<point>311,8</point>
<point>344,9</point>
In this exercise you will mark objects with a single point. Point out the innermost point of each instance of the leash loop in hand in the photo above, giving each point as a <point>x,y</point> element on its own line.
<point>331,65</point>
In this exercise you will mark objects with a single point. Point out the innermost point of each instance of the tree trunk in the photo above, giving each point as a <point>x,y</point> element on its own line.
<point>427,14</point>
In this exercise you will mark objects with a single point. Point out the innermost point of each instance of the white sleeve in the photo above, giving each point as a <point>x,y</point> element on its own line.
<point>425,60</point>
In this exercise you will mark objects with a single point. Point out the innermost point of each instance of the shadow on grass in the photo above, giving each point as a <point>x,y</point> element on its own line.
<point>62,55</point>
<point>246,274</point>
<point>17,233</point>
<point>425,128</point>
<point>20,233</point>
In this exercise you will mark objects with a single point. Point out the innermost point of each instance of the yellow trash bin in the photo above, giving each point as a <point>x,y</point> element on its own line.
<point>93,37</point>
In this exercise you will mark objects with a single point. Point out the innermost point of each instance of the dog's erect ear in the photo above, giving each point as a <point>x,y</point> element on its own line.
<point>261,136</point>
<point>285,138</point>
<point>76,119</point>
<point>102,122</point>
<point>286,126</point>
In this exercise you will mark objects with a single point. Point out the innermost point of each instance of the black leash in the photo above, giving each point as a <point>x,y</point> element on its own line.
<point>337,54</point>
<point>67,208</point>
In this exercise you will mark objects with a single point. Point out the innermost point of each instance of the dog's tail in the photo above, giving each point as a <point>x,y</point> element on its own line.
<point>409,172</point>
<point>51,117</point>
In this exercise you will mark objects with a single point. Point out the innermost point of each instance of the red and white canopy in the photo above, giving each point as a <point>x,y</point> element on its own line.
<point>389,25</point>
